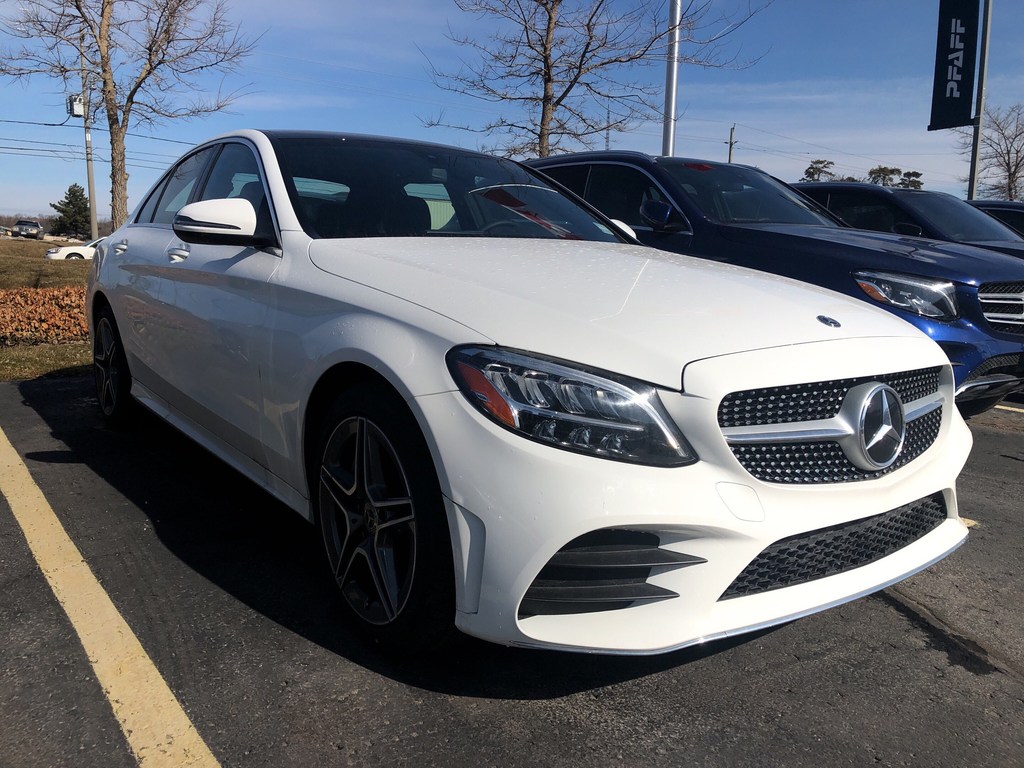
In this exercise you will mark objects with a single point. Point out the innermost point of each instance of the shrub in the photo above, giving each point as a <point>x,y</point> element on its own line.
<point>42,315</point>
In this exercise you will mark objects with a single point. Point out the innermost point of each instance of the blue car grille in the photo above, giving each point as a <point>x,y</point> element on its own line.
<point>1003,306</point>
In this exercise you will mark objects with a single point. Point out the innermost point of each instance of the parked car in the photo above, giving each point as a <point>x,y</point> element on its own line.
<point>83,251</point>
<point>27,228</point>
<point>503,416</point>
<point>969,300</point>
<point>1010,212</point>
<point>6,231</point>
<point>917,212</point>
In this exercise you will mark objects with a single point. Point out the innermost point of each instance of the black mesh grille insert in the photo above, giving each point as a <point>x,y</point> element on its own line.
<point>826,552</point>
<point>1012,364</point>
<point>816,400</point>
<point>825,462</point>
<point>1001,288</point>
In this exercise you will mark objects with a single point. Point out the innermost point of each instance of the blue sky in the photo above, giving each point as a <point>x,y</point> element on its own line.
<point>844,80</point>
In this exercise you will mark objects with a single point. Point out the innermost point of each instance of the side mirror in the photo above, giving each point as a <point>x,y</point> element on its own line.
<point>658,214</point>
<point>625,228</point>
<point>906,228</point>
<point>219,222</point>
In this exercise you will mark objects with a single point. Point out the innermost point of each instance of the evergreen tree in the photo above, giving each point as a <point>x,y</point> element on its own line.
<point>73,212</point>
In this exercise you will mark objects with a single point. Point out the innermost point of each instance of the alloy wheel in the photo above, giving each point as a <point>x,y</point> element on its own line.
<point>369,520</point>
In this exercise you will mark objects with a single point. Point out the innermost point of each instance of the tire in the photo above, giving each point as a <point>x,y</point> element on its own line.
<point>110,368</point>
<point>74,256</point>
<point>378,506</point>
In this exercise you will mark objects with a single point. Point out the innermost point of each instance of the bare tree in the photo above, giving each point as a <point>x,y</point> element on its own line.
<point>145,57</point>
<point>559,69</point>
<point>1001,153</point>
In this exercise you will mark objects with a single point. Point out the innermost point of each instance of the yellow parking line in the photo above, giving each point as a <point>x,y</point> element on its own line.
<point>1010,408</point>
<point>156,727</point>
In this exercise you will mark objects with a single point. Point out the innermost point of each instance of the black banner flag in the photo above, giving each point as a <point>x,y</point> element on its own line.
<point>956,54</point>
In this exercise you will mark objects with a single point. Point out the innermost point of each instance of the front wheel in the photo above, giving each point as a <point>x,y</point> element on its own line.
<point>383,523</point>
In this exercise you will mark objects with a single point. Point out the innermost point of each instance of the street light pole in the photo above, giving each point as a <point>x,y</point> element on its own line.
<point>668,135</point>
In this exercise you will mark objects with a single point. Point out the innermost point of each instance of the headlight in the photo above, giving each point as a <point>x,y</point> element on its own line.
<point>51,251</point>
<point>555,403</point>
<point>928,298</point>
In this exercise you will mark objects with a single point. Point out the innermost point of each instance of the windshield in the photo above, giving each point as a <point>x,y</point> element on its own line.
<point>733,194</point>
<point>954,219</point>
<point>353,187</point>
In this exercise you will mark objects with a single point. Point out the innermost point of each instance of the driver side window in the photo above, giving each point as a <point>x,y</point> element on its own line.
<point>176,189</point>
<point>236,173</point>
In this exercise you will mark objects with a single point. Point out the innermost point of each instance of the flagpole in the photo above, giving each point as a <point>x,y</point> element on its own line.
<point>979,110</point>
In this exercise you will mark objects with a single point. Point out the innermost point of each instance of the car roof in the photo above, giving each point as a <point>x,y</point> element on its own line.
<point>275,134</point>
<point>1015,205</point>
<point>877,189</point>
<point>627,155</point>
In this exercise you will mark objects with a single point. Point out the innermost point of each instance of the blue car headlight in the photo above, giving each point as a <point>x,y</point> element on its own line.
<point>920,295</point>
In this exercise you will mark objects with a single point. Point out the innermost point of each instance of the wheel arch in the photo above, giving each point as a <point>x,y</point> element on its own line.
<point>335,380</point>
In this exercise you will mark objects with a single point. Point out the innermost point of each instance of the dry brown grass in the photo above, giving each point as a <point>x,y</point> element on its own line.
<point>22,266</point>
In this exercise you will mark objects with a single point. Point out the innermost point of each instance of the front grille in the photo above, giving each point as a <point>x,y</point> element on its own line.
<point>604,570</point>
<point>1003,306</point>
<point>824,461</point>
<point>817,400</point>
<point>829,551</point>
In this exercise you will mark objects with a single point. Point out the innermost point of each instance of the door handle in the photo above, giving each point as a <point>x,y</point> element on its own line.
<point>121,247</point>
<point>177,253</point>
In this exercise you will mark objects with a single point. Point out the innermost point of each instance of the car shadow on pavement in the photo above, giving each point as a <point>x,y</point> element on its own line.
<point>260,552</point>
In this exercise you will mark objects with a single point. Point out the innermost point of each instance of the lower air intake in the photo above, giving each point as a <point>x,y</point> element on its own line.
<point>828,551</point>
<point>603,570</point>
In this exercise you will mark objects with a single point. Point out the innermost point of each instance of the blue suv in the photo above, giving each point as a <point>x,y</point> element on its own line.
<point>969,300</point>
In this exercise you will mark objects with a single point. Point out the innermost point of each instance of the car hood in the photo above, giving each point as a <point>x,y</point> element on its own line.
<point>862,249</point>
<point>1011,247</point>
<point>619,307</point>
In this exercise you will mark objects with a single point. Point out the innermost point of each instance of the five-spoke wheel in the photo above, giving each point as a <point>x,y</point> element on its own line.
<point>382,520</point>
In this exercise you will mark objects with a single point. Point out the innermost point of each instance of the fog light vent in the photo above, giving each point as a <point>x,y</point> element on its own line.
<point>603,570</point>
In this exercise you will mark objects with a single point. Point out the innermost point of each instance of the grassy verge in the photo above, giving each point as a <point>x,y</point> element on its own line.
<point>22,266</point>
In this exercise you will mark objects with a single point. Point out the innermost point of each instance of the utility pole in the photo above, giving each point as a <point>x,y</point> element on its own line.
<point>668,135</point>
<point>979,109</point>
<point>732,141</point>
<point>93,229</point>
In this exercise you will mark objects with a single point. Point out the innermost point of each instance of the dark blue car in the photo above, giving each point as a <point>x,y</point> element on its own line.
<point>918,212</point>
<point>969,300</point>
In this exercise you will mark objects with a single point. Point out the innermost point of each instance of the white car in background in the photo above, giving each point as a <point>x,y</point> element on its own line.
<point>506,417</point>
<point>83,251</point>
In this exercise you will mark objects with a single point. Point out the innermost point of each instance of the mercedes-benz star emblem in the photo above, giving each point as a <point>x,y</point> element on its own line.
<point>831,322</point>
<point>881,426</point>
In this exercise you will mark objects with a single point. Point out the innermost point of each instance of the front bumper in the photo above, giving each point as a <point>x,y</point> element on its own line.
<point>513,504</point>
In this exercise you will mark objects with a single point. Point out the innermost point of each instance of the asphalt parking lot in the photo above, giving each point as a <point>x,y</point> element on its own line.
<point>227,594</point>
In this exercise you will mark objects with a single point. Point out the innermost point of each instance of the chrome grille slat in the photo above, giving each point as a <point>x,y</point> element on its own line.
<point>1002,304</point>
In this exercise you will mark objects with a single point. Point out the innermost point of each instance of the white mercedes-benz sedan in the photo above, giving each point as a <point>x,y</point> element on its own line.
<point>504,416</point>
